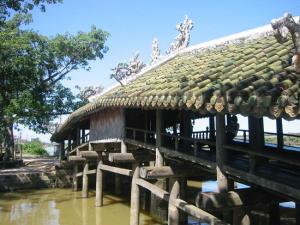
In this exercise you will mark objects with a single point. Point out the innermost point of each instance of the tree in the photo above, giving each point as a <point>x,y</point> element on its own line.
<point>32,67</point>
<point>35,147</point>
<point>21,6</point>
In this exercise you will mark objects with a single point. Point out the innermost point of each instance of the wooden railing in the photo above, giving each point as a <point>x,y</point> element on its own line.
<point>137,134</point>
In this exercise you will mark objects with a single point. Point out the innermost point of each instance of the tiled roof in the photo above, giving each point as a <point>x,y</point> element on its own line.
<point>248,77</point>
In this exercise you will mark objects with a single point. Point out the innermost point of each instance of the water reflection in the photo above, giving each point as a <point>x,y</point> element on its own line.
<point>63,207</point>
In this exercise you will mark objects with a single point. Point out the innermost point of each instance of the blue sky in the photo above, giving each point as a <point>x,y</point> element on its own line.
<point>133,24</point>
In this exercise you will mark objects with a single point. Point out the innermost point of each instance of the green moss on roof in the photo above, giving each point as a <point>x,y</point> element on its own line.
<point>250,78</point>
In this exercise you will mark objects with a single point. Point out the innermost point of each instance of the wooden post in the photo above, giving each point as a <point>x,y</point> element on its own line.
<point>62,150</point>
<point>75,178</point>
<point>256,139</point>
<point>297,213</point>
<point>135,197</point>
<point>274,214</point>
<point>85,181</point>
<point>83,136</point>
<point>77,136</point>
<point>212,135</point>
<point>159,122</point>
<point>173,213</point>
<point>280,141</point>
<point>99,185</point>
<point>123,147</point>
<point>224,184</point>
<point>69,142</point>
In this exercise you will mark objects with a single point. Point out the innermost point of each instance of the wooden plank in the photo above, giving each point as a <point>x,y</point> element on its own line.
<point>140,144</point>
<point>289,157</point>
<point>153,189</point>
<point>197,213</point>
<point>210,165</point>
<point>112,169</point>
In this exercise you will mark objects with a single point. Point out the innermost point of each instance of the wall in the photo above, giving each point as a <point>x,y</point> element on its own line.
<point>108,123</point>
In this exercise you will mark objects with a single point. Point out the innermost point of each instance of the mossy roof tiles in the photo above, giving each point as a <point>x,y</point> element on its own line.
<point>254,77</point>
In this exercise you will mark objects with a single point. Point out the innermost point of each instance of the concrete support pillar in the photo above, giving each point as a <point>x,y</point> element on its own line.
<point>75,179</point>
<point>135,197</point>
<point>85,181</point>
<point>99,185</point>
<point>173,212</point>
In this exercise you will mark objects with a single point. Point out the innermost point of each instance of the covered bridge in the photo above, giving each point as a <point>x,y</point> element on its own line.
<point>144,129</point>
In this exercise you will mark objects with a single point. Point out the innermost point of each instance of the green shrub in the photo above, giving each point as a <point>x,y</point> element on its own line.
<point>35,147</point>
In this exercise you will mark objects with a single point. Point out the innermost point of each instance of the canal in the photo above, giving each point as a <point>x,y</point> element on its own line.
<point>64,207</point>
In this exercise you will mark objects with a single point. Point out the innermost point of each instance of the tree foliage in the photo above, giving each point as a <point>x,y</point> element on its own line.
<point>21,6</point>
<point>35,147</point>
<point>32,67</point>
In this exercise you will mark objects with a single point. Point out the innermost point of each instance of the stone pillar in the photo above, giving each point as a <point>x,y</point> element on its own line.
<point>99,185</point>
<point>75,178</point>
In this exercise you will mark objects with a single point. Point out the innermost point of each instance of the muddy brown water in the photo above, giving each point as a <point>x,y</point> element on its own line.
<point>64,207</point>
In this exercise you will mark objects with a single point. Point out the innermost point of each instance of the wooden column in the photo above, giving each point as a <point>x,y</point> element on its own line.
<point>173,211</point>
<point>256,139</point>
<point>297,213</point>
<point>135,197</point>
<point>279,133</point>
<point>75,178</point>
<point>83,136</point>
<point>77,136</point>
<point>159,126</point>
<point>158,208</point>
<point>62,150</point>
<point>224,184</point>
<point>69,142</point>
<point>212,127</point>
<point>85,180</point>
<point>274,214</point>
<point>99,185</point>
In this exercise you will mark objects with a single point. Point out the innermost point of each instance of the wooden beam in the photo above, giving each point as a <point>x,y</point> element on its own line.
<point>284,189</point>
<point>274,214</point>
<point>162,194</point>
<point>90,155</point>
<point>297,213</point>
<point>135,197</point>
<point>78,136</point>
<point>234,199</point>
<point>75,158</point>
<point>80,174</point>
<point>164,172</point>
<point>112,169</point>
<point>99,185</point>
<point>212,127</point>
<point>197,213</point>
<point>130,157</point>
<point>85,181</point>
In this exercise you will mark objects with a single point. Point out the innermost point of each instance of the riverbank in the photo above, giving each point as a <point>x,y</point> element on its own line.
<point>36,173</point>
